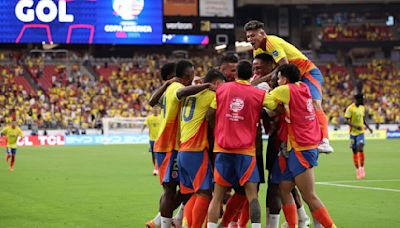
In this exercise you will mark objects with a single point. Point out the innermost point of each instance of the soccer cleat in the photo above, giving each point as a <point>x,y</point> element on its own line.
<point>358,173</point>
<point>362,172</point>
<point>155,172</point>
<point>150,224</point>
<point>233,225</point>
<point>11,169</point>
<point>325,147</point>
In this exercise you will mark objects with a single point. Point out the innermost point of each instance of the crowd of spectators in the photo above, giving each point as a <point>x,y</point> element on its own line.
<point>76,100</point>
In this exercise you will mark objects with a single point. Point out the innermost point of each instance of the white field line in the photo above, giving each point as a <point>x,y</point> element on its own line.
<point>359,187</point>
<point>360,181</point>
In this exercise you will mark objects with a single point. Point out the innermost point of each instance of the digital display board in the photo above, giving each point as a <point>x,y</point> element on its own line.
<point>81,21</point>
<point>185,39</point>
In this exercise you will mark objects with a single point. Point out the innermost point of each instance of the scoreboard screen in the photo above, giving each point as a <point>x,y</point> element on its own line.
<point>81,21</point>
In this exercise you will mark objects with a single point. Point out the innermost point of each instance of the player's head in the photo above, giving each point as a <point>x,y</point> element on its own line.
<point>168,71</point>
<point>197,80</point>
<point>263,64</point>
<point>244,70</point>
<point>288,73</point>
<point>359,99</point>
<point>185,71</point>
<point>228,66</point>
<point>215,77</point>
<point>255,33</point>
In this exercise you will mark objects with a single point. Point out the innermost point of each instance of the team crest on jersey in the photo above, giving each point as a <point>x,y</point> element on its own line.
<point>309,105</point>
<point>275,53</point>
<point>236,105</point>
<point>128,9</point>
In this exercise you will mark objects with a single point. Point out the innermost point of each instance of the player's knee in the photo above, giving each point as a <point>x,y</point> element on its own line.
<point>255,212</point>
<point>309,197</point>
<point>360,147</point>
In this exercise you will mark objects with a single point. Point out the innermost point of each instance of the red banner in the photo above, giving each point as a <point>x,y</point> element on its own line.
<point>57,140</point>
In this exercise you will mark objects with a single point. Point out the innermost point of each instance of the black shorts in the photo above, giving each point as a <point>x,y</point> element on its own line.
<point>272,151</point>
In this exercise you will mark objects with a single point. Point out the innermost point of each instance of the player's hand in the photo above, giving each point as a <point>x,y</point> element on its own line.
<point>370,130</point>
<point>212,87</point>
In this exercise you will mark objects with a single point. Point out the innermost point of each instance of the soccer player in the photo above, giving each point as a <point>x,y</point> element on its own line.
<point>228,66</point>
<point>153,122</point>
<point>194,164</point>
<point>12,133</point>
<point>167,74</point>
<point>355,118</point>
<point>167,144</point>
<point>237,107</point>
<point>263,64</point>
<point>303,136</point>
<point>284,53</point>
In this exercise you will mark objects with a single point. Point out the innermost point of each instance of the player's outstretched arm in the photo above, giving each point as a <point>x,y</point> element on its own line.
<point>160,91</point>
<point>192,90</point>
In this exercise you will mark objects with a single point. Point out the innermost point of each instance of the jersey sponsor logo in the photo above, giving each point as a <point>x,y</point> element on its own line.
<point>275,53</point>
<point>237,104</point>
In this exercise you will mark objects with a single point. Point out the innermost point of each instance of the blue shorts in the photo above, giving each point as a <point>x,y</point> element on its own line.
<point>11,150</point>
<point>356,140</point>
<point>235,169</point>
<point>195,171</point>
<point>298,162</point>
<point>314,80</point>
<point>277,169</point>
<point>151,143</point>
<point>167,166</point>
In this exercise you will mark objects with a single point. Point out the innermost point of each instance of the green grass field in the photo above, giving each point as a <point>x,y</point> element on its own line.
<point>112,186</point>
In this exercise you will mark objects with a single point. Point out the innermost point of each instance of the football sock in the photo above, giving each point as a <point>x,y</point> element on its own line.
<point>361,156</point>
<point>323,122</point>
<point>322,215</point>
<point>233,207</point>
<point>301,212</point>
<point>12,161</point>
<point>244,214</point>
<point>188,211</point>
<point>157,220</point>
<point>290,212</point>
<point>212,225</point>
<point>273,221</point>
<point>355,160</point>
<point>166,222</point>
<point>200,210</point>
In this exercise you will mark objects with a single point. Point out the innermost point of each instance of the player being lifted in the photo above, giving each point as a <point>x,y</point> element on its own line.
<point>194,163</point>
<point>153,123</point>
<point>284,53</point>
<point>355,117</point>
<point>12,133</point>
<point>303,136</point>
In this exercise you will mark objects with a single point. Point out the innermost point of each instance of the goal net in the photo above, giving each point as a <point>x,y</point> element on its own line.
<point>120,125</point>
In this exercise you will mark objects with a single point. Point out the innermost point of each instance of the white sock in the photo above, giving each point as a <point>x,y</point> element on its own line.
<point>273,221</point>
<point>179,214</point>
<point>301,212</point>
<point>166,222</point>
<point>317,224</point>
<point>256,225</point>
<point>212,225</point>
<point>157,219</point>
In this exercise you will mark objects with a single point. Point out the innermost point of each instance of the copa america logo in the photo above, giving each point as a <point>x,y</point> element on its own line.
<point>236,105</point>
<point>128,9</point>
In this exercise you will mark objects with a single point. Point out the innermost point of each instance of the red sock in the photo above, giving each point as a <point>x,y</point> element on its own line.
<point>323,122</point>
<point>200,210</point>
<point>290,212</point>
<point>233,207</point>
<point>355,159</point>
<point>188,210</point>
<point>244,214</point>
<point>12,161</point>
<point>322,216</point>
<point>361,156</point>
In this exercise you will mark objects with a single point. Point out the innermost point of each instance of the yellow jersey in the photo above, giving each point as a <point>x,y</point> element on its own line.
<point>193,125</point>
<point>278,48</point>
<point>12,136</point>
<point>168,135</point>
<point>281,95</point>
<point>153,122</point>
<point>356,116</point>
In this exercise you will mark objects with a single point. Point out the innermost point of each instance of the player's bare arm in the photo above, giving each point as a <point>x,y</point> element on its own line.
<point>160,91</point>
<point>192,90</point>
